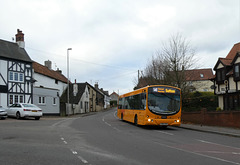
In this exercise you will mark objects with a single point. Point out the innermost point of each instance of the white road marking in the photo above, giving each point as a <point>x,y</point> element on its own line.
<point>203,141</point>
<point>166,133</point>
<point>83,160</point>
<point>64,142</point>
<point>195,153</point>
<point>115,115</point>
<point>117,129</point>
<point>108,124</point>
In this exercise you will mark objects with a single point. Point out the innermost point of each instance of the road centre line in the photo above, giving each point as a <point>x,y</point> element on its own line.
<point>115,115</point>
<point>83,160</point>
<point>108,124</point>
<point>166,133</point>
<point>75,153</point>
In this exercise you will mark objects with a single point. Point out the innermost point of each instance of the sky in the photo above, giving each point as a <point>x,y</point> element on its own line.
<point>112,39</point>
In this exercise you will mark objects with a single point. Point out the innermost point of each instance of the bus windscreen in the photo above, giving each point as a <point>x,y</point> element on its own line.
<point>163,100</point>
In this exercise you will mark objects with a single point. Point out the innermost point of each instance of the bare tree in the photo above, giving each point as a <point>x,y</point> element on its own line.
<point>179,56</point>
<point>168,64</point>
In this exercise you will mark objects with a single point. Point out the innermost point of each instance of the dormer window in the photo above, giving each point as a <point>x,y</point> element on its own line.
<point>201,75</point>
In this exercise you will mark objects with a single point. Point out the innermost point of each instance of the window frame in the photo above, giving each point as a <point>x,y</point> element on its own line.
<point>236,78</point>
<point>42,100</point>
<point>54,101</point>
<point>220,76</point>
<point>15,99</point>
<point>16,76</point>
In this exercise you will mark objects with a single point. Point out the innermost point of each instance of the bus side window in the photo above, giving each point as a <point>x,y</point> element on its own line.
<point>120,103</point>
<point>143,100</point>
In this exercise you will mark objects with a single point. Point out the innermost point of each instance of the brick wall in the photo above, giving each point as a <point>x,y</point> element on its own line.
<point>225,119</point>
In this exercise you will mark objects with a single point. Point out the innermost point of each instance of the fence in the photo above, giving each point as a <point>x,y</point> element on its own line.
<point>224,118</point>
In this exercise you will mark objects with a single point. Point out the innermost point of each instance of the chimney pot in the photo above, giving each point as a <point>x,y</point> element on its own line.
<point>20,39</point>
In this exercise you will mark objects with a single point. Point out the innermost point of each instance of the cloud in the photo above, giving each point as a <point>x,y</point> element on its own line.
<point>111,40</point>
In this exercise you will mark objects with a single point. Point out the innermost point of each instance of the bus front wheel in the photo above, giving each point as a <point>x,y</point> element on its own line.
<point>136,120</point>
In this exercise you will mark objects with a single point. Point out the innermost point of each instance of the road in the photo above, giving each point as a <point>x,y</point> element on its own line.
<point>103,139</point>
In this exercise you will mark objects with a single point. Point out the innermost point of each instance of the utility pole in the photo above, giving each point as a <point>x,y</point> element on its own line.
<point>138,76</point>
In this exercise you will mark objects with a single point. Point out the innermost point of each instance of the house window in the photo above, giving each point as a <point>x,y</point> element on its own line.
<point>41,100</point>
<point>21,99</point>
<point>15,76</point>
<point>220,76</point>
<point>13,99</point>
<point>21,77</point>
<point>56,81</point>
<point>54,101</point>
<point>11,76</point>
<point>236,72</point>
<point>16,99</point>
<point>10,99</point>
<point>81,105</point>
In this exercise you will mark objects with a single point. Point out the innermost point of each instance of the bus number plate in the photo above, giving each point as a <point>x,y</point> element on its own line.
<point>163,123</point>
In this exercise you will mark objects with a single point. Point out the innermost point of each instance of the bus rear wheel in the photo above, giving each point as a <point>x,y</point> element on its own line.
<point>136,120</point>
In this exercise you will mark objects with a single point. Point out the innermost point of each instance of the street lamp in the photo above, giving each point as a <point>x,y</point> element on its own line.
<point>68,80</point>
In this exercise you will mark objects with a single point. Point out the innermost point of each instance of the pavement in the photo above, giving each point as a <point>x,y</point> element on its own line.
<point>235,132</point>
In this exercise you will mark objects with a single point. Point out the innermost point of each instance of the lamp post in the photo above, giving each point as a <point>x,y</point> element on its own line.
<point>68,80</point>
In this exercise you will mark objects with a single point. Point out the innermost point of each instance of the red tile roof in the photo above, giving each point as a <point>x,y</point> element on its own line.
<point>198,74</point>
<point>226,61</point>
<point>38,68</point>
<point>233,51</point>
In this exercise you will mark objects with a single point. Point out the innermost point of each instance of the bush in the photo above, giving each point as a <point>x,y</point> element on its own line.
<point>198,100</point>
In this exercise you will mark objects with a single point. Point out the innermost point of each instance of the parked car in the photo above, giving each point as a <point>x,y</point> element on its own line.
<point>22,110</point>
<point>3,113</point>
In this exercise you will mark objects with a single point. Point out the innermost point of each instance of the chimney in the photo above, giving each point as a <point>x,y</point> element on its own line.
<point>75,88</point>
<point>96,85</point>
<point>20,39</point>
<point>48,64</point>
<point>58,70</point>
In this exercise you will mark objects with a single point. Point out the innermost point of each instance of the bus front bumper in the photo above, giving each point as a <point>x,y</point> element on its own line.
<point>163,122</point>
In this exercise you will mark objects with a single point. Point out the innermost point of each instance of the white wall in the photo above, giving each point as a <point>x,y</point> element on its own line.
<point>3,100</point>
<point>48,82</point>
<point>3,71</point>
<point>232,84</point>
<point>220,101</point>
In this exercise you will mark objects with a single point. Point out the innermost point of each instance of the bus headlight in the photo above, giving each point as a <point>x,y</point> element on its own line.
<point>149,120</point>
<point>178,121</point>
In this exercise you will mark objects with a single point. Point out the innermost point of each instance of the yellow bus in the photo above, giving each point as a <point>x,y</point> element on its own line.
<point>152,105</point>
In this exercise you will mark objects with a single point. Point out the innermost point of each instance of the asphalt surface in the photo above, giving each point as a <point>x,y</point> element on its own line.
<point>102,139</point>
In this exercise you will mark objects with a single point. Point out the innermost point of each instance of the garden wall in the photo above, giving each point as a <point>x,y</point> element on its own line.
<point>223,119</point>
